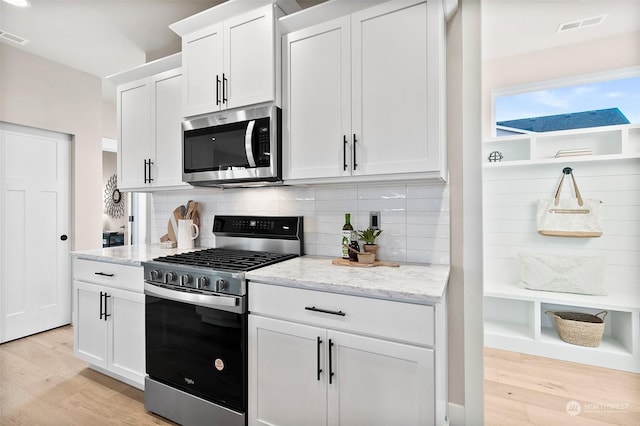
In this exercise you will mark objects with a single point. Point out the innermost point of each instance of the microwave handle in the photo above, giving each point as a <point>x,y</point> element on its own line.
<point>248,143</point>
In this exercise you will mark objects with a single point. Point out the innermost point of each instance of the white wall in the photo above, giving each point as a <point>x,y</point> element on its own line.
<point>414,216</point>
<point>40,93</point>
<point>510,200</point>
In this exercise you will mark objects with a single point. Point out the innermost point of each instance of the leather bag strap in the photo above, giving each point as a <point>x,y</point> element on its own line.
<point>575,188</point>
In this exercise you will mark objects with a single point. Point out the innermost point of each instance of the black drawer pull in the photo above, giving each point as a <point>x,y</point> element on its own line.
<point>324,311</point>
<point>104,274</point>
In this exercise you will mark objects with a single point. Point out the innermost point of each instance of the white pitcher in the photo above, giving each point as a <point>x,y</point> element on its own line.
<point>187,232</point>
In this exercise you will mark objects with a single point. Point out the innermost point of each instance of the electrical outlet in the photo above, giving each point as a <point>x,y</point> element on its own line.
<point>374,220</point>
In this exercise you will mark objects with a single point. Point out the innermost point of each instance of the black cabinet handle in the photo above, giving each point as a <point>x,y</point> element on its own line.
<point>218,89</point>
<point>101,313</point>
<point>324,311</point>
<point>146,180</point>
<point>150,163</point>
<point>344,152</point>
<point>104,274</point>
<point>331,373</point>
<point>318,369</point>
<point>224,88</point>
<point>355,163</point>
<point>106,315</point>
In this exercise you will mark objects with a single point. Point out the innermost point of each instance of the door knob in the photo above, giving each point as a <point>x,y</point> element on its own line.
<point>63,237</point>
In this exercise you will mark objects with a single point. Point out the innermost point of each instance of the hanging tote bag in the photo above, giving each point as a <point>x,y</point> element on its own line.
<point>569,217</point>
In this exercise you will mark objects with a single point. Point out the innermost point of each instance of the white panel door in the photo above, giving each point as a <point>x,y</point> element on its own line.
<point>285,388</point>
<point>376,382</point>
<point>90,326</point>
<point>134,141</point>
<point>35,221</point>
<point>318,96</point>
<point>126,329</point>
<point>167,129</point>
<point>390,89</point>
<point>202,64</point>
<point>249,58</point>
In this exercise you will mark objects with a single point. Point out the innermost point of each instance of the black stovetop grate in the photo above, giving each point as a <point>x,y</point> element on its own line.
<point>226,259</point>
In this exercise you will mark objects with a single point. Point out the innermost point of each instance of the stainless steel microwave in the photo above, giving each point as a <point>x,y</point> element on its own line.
<point>233,147</point>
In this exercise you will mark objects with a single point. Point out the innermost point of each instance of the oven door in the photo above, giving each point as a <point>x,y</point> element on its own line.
<point>199,350</point>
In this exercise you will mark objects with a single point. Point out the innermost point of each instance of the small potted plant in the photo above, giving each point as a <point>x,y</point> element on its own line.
<point>369,236</point>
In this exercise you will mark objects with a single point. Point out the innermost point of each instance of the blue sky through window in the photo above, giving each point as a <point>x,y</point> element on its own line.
<point>620,93</point>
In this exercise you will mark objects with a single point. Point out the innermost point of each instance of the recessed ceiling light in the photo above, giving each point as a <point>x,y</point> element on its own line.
<point>19,3</point>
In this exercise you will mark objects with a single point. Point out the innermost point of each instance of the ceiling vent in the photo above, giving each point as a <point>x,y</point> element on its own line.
<point>13,38</point>
<point>583,23</point>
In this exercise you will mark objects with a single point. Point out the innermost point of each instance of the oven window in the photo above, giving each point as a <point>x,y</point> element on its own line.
<point>212,149</point>
<point>198,350</point>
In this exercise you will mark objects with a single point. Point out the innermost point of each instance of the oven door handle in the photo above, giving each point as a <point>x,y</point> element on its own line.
<point>227,303</point>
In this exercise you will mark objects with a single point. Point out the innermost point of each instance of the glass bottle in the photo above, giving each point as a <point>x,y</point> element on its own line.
<point>347,231</point>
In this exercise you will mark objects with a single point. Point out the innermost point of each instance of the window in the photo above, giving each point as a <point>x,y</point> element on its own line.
<point>603,99</point>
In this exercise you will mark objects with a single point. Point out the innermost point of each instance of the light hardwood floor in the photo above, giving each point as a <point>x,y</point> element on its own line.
<point>42,383</point>
<point>522,390</point>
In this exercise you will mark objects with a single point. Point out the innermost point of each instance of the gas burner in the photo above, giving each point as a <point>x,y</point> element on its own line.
<point>226,259</point>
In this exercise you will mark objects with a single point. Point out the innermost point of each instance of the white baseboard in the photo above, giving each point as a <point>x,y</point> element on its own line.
<point>456,415</point>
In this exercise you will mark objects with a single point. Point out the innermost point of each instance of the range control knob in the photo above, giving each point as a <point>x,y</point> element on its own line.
<point>185,279</point>
<point>155,275</point>
<point>221,285</point>
<point>202,282</point>
<point>169,277</point>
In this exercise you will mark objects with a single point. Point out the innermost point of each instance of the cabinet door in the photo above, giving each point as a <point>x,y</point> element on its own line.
<point>377,382</point>
<point>318,102</point>
<point>284,388</point>
<point>134,125</point>
<point>390,90</point>
<point>167,129</point>
<point>90,328</point>
<point>126,334</point>
<point>202,66</point>
<point>249,58</point>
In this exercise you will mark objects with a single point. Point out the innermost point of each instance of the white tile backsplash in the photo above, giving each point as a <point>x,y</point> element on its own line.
<point>414,216</point>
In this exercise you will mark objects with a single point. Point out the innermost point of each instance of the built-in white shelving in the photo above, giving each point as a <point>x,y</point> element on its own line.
<point>514,317</point>
<point>605,143</point>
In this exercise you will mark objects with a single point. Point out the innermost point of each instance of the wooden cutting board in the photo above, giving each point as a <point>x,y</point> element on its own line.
<point>171,234</point>
<point>345,262</point>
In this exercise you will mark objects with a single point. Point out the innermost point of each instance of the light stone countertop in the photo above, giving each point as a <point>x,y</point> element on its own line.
<point>420,284</point>
<point>128,255</point>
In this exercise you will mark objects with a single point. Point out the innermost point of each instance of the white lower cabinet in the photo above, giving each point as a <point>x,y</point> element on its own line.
<point>303,371</point>
<point>109,326</point>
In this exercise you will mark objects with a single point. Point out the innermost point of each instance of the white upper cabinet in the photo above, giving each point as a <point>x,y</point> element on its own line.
<point>134,133</point>
<point>202,62</point>
<point>230,64</point>
<point>150,126</point>
<point>364,95</point>
<point>318,112</point>
<point>150,133</point>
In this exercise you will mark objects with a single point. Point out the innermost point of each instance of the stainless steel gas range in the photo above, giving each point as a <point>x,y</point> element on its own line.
<point>196,319</point>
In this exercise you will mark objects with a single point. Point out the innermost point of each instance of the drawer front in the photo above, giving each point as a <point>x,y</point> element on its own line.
<point>115,275</point>
<point>400,321</point>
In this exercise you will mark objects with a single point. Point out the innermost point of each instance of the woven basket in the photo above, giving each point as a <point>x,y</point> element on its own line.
<point>579,328</point>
